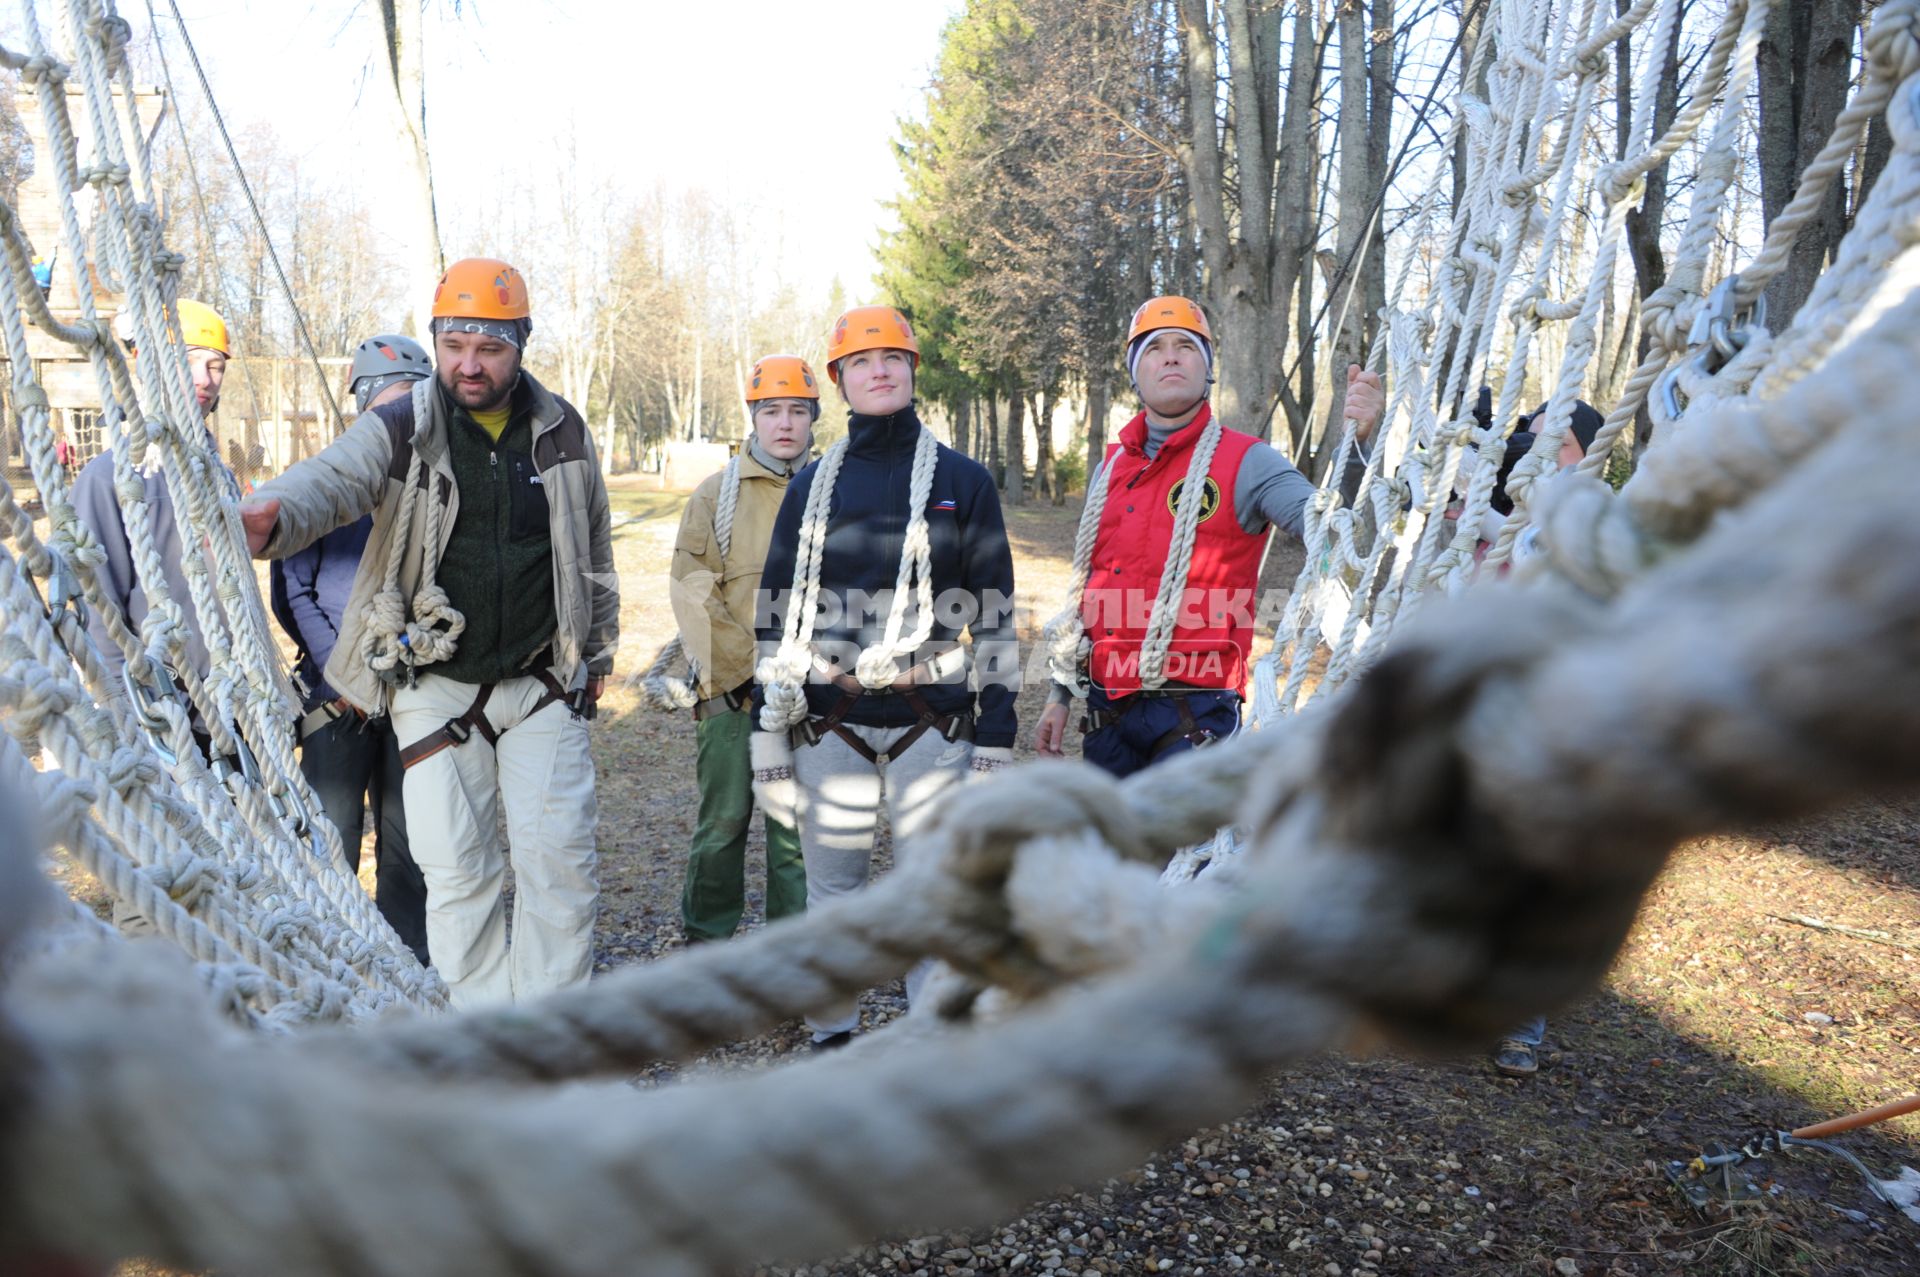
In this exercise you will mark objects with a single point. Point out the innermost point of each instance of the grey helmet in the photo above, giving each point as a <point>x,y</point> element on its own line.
<point>380,361</point>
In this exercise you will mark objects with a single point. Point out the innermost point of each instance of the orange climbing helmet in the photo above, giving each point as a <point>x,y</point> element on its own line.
<point>1168,312</point>
<point>481,288</point>
<point>869,328</point>
<point>201,325</point>
<point>781,377</point>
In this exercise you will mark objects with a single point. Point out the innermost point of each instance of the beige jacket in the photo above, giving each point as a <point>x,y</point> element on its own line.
<point>714,600</point>
<point>366,469</point>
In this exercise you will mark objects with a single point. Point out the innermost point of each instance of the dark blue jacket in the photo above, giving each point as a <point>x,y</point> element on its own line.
<point>866,526</point>
<point>310,591</point>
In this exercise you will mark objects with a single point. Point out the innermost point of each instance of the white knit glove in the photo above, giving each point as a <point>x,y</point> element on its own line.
<point>988,759</point>
<point>773,784</point>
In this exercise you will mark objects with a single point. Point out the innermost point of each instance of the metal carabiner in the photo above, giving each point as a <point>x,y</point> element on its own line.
<point>144,697</point>
<point>64,594</point>
<point>1722,329</point>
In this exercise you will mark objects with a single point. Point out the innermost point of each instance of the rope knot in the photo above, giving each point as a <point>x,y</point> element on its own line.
<point>1624,182</point>
<point>184,876</point>
<point>43,67</point>
<point>129,769</point>
<point>113,32</point>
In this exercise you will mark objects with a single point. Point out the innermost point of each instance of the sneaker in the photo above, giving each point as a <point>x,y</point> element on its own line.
<point>1516,1058</point>
<point>833,1041</point>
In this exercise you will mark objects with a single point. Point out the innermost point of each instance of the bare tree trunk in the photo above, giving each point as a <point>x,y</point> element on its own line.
<point>1016,485</point>
<point>1806,66</point>
<point>1643,223</point>
<point>1349,297</point>
<point>699,383</point>
<point>1046,484</point>
<point>994,463</point>
<point>406,79</point>
<point>1098,406</point>
<point>1379,145</point>
<point>963,425</point>
<point>1239,263</point>
<point>1292,287</point>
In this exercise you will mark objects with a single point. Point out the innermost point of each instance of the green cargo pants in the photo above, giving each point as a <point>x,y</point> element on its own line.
<point>716,890</point>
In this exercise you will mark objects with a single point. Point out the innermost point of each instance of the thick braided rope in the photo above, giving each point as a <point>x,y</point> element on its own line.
<point>1399,882</point>
<point>1065,636</point>
<point>1455,564</point>
<point>1876,264</point>
<point>673,680</point>
<point>1341,565</point>
<point>879,664</point>
<point>1158,639</point>
<point>784,674</point>
<point>244,697</point>
<point>1892,48</point>
<point>1619,190</point>
<point>399,639</point>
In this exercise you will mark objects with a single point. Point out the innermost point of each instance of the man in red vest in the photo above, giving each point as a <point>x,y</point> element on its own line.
<point>1182,508</point>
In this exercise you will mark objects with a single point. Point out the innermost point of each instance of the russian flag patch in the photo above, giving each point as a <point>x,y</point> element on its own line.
<point>946,505</point>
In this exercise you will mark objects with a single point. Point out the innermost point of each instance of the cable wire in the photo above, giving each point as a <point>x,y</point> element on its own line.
<point>246,188</point>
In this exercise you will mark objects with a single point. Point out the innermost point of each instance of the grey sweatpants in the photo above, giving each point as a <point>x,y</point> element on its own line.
<point>840,795</point>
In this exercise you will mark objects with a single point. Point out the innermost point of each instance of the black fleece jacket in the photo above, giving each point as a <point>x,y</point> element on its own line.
<point>866,526</point>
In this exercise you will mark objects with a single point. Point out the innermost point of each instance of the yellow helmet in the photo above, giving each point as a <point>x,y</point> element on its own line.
<point>201,325</point>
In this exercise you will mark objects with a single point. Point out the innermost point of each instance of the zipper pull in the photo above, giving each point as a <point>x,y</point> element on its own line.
<point>493,459</point>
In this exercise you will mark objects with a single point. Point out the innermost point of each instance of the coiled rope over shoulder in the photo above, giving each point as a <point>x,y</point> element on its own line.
<point>397,642</point>
<point>1065,635</point>
<point>784,674</point>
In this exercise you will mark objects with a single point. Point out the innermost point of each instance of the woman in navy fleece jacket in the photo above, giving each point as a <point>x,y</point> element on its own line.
<point>909,738</point>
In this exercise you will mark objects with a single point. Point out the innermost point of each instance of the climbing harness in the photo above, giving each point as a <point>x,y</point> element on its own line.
<point>935,669</point>
<point>473,722</point>
<point>1187,730</point>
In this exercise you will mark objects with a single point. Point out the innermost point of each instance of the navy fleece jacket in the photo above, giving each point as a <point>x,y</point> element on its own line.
<point>310,590</point>
<point>866,526</point>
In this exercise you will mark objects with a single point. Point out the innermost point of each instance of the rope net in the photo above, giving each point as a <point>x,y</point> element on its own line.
<point>1456,840</point>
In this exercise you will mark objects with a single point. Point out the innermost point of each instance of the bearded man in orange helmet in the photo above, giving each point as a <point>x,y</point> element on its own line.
<point>1178,494</point>
<point>483,619</point>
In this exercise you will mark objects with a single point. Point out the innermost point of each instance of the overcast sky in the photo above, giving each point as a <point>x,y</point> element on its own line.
<point>765,103</point>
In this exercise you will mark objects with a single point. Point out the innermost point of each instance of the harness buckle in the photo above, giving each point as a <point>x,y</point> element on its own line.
<point>458,731</point>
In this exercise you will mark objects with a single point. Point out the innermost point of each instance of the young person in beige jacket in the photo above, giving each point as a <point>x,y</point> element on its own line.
<point>716,578</point>
<point>484,619</point>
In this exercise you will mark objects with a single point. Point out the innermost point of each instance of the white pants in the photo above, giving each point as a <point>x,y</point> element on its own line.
<point>840,794</point>
<point>541,773</point>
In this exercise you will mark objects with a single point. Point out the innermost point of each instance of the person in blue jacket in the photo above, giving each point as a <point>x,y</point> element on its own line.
<point>883,552</point>
<point>353,762</point>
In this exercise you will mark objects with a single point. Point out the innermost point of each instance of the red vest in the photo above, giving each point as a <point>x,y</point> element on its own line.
<point>1213,630</point>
